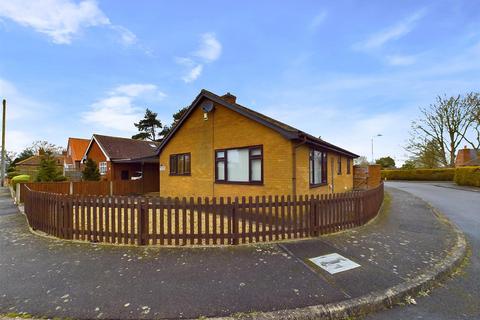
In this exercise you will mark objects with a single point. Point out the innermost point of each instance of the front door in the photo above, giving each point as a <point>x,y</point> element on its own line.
<point>124,175</point>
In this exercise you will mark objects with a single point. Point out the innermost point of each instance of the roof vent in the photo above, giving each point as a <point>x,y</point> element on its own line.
<point>229,97</point>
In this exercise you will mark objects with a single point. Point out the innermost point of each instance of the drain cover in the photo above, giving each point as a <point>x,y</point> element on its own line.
<point>334,263</point>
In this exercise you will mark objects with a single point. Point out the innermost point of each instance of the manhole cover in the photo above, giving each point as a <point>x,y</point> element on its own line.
<point>334,263</point>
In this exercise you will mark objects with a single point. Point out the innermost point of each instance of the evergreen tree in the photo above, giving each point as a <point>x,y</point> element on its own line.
<point>90,172</point>
<point>148,127</point>
<point>176,118</point>
<point>48,170</point>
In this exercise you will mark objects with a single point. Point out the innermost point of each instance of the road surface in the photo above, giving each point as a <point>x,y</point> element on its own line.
<point>458,298</point>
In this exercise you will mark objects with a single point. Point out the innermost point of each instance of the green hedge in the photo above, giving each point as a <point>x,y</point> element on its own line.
<point>468,176</point>
<point>19,179</point>
<point>440,174</point>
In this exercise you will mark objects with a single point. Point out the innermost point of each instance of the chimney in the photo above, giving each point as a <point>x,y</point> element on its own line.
<point>229,97</point>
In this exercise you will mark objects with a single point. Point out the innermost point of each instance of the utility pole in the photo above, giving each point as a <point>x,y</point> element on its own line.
<point>3,143</point>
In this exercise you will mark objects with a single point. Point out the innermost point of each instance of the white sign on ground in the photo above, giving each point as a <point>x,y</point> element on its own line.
<point>334,263</point>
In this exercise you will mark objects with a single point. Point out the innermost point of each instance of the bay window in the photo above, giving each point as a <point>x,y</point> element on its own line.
<point>318,167</point>
<point>239,165</point>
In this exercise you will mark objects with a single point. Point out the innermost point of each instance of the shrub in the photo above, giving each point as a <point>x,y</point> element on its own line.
<point>467,176</point>
<point>90,172</point>
<point>48,170</point>
<point>20,179</point>
<point>12,174</point>
<point>440,174</point>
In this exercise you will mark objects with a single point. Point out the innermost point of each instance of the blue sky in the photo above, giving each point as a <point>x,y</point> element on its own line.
<point>342,70</point>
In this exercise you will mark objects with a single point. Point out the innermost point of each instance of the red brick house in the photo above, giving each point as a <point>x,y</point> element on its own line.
<point>123,159</point>
<point>72,168</point>
<point>467,157</point>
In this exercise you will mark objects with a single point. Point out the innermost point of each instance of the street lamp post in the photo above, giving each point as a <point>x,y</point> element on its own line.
<point>377,135</point>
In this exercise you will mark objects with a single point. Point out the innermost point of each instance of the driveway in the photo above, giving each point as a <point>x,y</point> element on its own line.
<point>459,297</point>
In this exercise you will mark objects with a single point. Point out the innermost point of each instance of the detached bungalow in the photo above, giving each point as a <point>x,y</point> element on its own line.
<point>220,148</point>
<point>125,159</point>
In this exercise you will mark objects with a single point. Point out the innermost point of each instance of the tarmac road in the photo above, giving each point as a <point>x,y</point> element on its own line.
<point>458,298</point>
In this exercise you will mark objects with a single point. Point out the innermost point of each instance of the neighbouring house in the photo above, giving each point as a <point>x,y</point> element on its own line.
<point>125,159</point>
<point>72,167</point>
<point>31,165</point>
<point>467,157</point>
<point>220,148</point>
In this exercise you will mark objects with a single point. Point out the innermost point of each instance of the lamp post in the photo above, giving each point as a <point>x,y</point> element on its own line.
<point>377,135</point>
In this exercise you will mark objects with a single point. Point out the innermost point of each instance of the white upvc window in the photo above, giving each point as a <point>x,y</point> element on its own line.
<point>102,167</point>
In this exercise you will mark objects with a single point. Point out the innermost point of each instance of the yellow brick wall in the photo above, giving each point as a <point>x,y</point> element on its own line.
<point>228,129</point>
<point>225,129</point>
<point>341,183</point>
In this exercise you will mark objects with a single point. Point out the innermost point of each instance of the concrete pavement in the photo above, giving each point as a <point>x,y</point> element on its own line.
<point>53,278</point>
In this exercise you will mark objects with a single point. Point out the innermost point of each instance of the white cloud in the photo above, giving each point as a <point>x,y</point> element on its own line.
<point>400,60</point>
<point>318,20</point>
<point>18,105</point>
<point>61,20</point>
<point>194,69</point>
<point>127,37</point>
<point>17,140</point>
<point>136,89</point>
<point>210,50</point>
<point>119,109</point>
<point>394,32</point>
<point>23,114</point>
<point>116,113</point>
<point>193,74</point>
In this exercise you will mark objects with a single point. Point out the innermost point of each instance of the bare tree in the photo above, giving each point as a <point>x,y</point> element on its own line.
<point>472,135</point>
<point>425,154</point>
<point>445,124</point>
<point>361,161</point>
<point>45,146</point>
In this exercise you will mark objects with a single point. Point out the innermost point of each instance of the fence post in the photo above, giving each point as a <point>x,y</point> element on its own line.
<point>235,221</point>
<point>142,223</point>
<point>314,225</point>
<point>17,192</point>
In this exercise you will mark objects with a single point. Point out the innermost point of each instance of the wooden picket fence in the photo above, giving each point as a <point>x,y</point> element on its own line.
<point>201,221</point>
<point>103,188</point>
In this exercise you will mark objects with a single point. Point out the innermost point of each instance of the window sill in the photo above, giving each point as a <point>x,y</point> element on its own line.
<point>258,183</point>
<point>312,186</point>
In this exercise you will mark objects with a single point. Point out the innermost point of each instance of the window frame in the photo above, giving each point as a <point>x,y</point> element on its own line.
<point>102,164</point>
<point>324,168</point>
<point>339,165</point>
<point>174,157</point>
<point>251,157</point>
<point>349,164</point>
